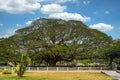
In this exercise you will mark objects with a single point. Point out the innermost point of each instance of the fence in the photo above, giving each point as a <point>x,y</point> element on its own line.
<point>5,67</point>
<point>58,68</point>
<point>64,68</point>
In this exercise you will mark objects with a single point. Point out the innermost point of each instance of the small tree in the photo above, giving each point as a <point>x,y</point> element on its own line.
<point>112,55</point>
<point>113,52</point>
<point>21,66</point>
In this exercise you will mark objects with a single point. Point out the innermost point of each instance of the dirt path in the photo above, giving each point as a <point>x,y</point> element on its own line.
<point>113,74</point>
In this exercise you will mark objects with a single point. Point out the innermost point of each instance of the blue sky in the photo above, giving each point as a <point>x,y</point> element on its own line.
<point>103,15</point>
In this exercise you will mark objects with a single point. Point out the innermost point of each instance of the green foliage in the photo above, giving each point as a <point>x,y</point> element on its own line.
<point>113,55</point>
<point>7,71</point>
<point>118,67</point>
<point>21,67</point>
<point>53,40</point>
<point>56,53</point>
<point>1,70</point>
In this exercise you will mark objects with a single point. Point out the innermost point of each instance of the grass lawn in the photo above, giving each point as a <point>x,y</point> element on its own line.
<point>58,76</point>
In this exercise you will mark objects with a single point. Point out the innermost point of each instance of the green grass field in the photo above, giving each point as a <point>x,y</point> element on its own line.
<point>58,76</point>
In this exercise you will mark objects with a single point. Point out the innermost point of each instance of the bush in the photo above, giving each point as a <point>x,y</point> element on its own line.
<point>118,67</point>
<point>15,70</point>
<point>7,71</point>
<point>1,70</point>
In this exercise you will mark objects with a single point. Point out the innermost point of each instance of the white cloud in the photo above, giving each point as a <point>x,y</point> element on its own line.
<point>8,33</point>
<point>69,16</point>
<point>59,1</point>
<point>58,11</point>
<point>1,25</point>
<point>18,25</point>
<point>86,2</point>
<point>64,1</point>
<point>28,22</point>
<point>102,27</point>
<point>52,8</point>
<point>19,6</point>
<point>36,18</point>
<point>107,12</point>
<point>11,32</point>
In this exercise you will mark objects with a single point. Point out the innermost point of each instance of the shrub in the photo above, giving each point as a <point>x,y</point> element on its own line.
<point>1,70</point>
<point>7,71</point>
<point>118,67</point>
<point>15,70</point>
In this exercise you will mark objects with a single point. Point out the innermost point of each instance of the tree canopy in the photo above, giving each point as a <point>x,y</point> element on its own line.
<point>55,40</point>
<point>113,51</point>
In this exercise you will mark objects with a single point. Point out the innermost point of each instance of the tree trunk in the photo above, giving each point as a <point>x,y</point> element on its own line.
<point>52,64</point>
<point>110,63</point>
